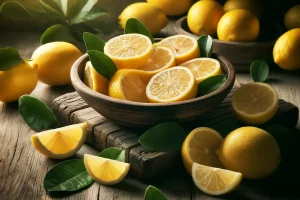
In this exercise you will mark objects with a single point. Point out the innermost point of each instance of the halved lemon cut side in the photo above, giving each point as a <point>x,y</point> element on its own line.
<point>105,171</point>
<point>255,103</point>
<point>60,143</point>
<point>184,47</point>
<point>129,51</point>
<point>172,85</point>
<point>215,181</point>
<point>203,68</point>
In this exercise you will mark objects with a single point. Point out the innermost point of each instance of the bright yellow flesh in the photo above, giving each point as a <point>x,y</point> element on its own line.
<point>203,68</point>
<point>134,89</point>
<point>105,171</point>
<point>215,181</point>
<point>200,147</point>
<point>171,85</point>
<point>60,143</point>
<point>255,103</point>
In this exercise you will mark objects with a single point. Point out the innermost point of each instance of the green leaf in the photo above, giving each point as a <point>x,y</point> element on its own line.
<point>102,64</point>
<point>67,176</point>
<point>36,113</point>
<point>93,42</point>
<point>259,70</point>
<point>167,136</point>
<point>58,32</point>
<point>134,25</point>
<point>205,43</point>
<point>15,10</point>
<point>94,14</point>
<point>80,10</point>
<point>113,153</point>
<point>211,84</point>
<point>53,9</point>
<point>152,193</point>
<point>9,58</point>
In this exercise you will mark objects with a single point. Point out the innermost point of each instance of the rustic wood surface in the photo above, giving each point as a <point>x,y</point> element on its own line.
<point>23,168</point>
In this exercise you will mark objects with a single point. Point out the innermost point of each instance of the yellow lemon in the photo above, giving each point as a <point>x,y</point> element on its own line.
<point>204,16</point>
<point>129,50</point>
<point>215,181</point>
<point>287,50</point>
<point>292,18</point>
<point>94,80</point>
<point>253,6</point>
<point>60,143</point>
<point>151,16</point>
<point>105,171</point>
<point>15,82</point>
<point>255,103</point>
<point>54,61</point>
<point>200,146</point>
<point>184,47</point>
<point>203,68</point>
<point>172,7</point>
<point>238,25</point>
<point>172,85</point>
<point>250,151</point>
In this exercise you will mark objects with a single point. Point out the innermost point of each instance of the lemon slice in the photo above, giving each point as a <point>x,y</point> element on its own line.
<point>161,58</point>
<point>215,181</point>
<point>62,142</point>
<point>129,50</point>
<point>184,47</point>
<point>94,80</point>
<point>105,171</point>
<point>203,68</point>
<point>200,146</point>
<point>255,103</point>
<point>172,85</point>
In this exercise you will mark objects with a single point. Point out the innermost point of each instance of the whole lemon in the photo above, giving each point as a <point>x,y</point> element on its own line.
<point>253,6</point>
<point>54,61</point>
<point>203,17</point>
<point>15,82</point>
<point>292,18</point>
<point>152,17</point>
<point>250,151</point>
<point>286,50</point>
<point>172,7</point>
<point>238,25</point>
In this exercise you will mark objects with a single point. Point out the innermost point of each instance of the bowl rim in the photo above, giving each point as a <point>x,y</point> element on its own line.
<point>76,80</point>
<point>180,30</point>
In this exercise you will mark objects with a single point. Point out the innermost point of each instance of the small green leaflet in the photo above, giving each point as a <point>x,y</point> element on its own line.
<point>259,70</point>
<point>152,193</point>
<point>37,114</point>
<point>113,153</point>
<point>67,176</point>
<point>134,25</point>
<point>102,64</point>
<point>9,58</point>
<point>167,136</point>
<point>15,10</point>
<point>205,43</point>
<point>93,42</point>
<point>211,84</point>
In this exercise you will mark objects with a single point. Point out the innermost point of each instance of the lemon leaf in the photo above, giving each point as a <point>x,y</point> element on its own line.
<point>36,113</point>
<point>205,43</point>
<point>154,193</point>
<point>81,9</point>
<point>93,42</point>
<point>15,10</point>
<point>67,176</point>
<point>167,136</point>
<point>134,25</point>
<point>102,64</point>
<point>53,9</point>
<point>113,153</point>
<point>259,70</point>
<point>9,58</point>
<point>211,84</point>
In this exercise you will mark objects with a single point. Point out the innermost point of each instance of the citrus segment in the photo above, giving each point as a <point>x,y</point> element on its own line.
<point>105,171</point>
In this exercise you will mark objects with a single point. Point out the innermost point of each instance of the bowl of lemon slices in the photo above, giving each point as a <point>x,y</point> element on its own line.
<point>152,83</point>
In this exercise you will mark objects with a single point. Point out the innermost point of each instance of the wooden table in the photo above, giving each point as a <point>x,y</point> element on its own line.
<point>22,168</point>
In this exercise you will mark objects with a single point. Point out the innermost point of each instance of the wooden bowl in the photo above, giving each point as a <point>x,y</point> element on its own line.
<point>240,54</point>
<point>134,114</point>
